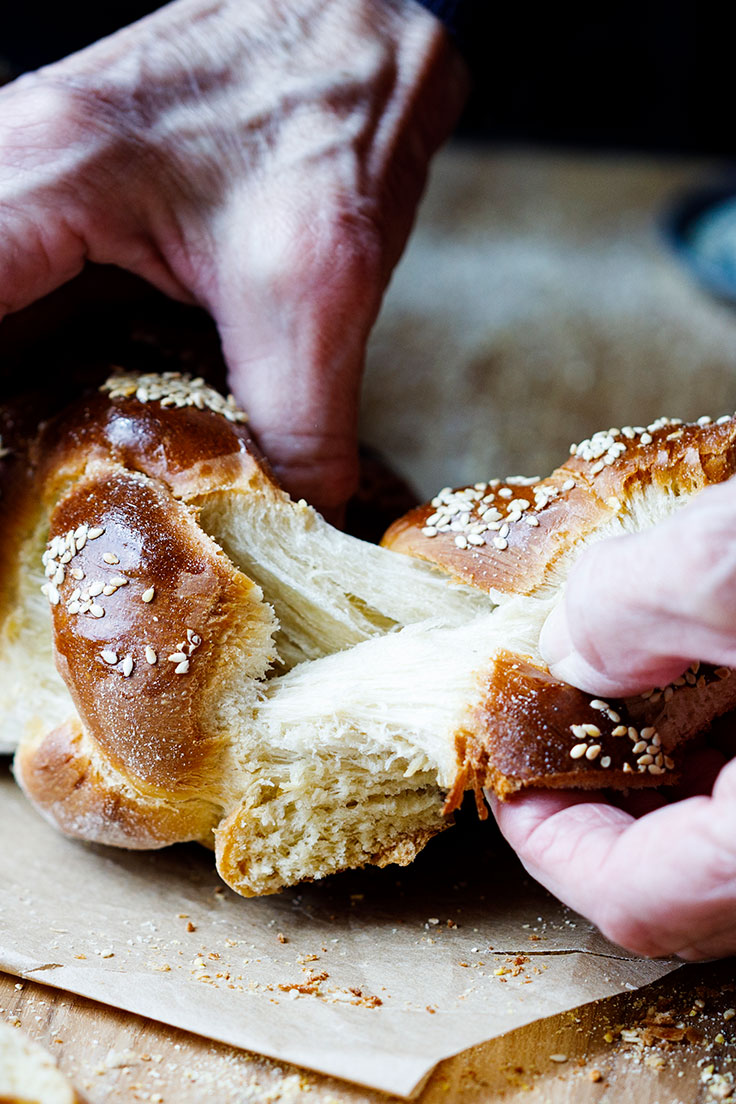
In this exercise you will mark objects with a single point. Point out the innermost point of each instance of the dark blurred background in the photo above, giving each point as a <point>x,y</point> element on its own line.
<point>636,75</point>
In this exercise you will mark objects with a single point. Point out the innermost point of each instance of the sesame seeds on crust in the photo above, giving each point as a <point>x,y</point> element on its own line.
<point>173,389</point>
<point>61,589</point>
<point>646,753</point>
<point>493,512</point>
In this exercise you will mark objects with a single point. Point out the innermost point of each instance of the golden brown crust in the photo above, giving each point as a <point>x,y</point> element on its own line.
<point>150,617</point>
<point>192,449</point>
<point>173,593</point>
<point>64,775</point>
<point>531,730</point>
<point>508,536</point>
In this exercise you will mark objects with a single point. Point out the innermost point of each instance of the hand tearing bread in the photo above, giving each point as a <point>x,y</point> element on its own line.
<point>240,673</point>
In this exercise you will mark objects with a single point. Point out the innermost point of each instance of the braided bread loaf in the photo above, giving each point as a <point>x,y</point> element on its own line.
<point>241,672</point>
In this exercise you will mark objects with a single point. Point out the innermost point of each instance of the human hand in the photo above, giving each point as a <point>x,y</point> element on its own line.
<point>262,158</point>
<point>656,871</point>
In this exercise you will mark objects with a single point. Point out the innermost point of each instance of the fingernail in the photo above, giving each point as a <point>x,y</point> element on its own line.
<point>563,659</point>
<point>555,643</point>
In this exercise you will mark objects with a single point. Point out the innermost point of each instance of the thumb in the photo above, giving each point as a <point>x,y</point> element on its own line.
<point>637,610</point>
<point>294,321</point>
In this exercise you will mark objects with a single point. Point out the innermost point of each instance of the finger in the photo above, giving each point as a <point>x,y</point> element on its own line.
<point>638,609</point>
<point>663,884</point>
<point>294,325</point>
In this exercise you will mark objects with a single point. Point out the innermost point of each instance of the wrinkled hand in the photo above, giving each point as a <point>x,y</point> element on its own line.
<point>657,873</point>
<point>262,158</point>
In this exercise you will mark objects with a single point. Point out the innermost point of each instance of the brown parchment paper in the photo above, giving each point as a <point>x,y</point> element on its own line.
<point>372,976</point>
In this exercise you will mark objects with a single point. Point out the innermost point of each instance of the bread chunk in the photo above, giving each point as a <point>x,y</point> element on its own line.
<point>243,674</point>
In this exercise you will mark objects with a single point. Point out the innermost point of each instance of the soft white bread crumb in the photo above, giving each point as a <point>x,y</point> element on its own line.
<point>28,1073</point>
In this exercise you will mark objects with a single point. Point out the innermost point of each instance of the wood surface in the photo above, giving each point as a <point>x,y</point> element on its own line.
<point>115,1058</point>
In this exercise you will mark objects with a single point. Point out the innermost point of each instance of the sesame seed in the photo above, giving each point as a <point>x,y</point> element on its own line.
<point>93,534</point>
<point>147,595</point>
<point>593,751</point>
<point>429,531</point>
<point>110,558</point>
<point>655,697</point>
<point>722,672</point>
<point>613,716</point>
<point>640,748</point>
<point>633,733</point>
<point>606,761</point>
<point>52,594</point>
<point>578,730</point>
<point>108,589</point>
<point>627,768</point>
<point>109,656</point>
<point>461,541</point>
<point>96,588</point>
<point>668,693</point>
<point>65,558</point>
<point>591,730</point>
<point>646,439</point>
<point>647,733</point>
<point>505,492</point>
<point>96,611</point>
<point>118,581</point>
<point>151,656</point>
<point>182,668</point>
<point>654,769</point>
<point>173,389</point>
<point>476,540</point>
<point>531,520</point>
<point>73,607</point>
<point>578,751</point>
<point>128,665</point>
<point>77,573</point>
<point>598,704</point>
<point>669,763</point>
<point>620,730</point>
<point>568,484</point>
<point>177,657</point>
<point>500,543</point>
<point>645,760</point>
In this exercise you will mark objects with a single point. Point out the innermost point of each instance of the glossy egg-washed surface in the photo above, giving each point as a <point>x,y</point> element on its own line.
<point>534,522</point>
<point>190,450</point>
<point>533,730</point>
<point>181,596</point>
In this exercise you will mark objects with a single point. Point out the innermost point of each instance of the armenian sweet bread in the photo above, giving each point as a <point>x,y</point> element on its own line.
<point>240,673</point>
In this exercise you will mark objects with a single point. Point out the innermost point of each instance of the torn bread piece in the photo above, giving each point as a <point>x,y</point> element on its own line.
<point>246,675</point>
<point>28,1073</point>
